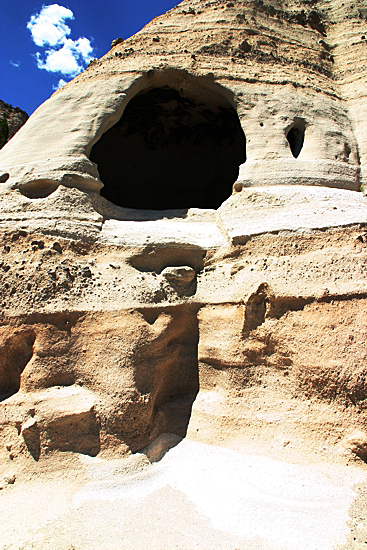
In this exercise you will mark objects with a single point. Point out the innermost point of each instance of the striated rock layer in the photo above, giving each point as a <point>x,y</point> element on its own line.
<point>106,340</point>
<point>293,71</point>
<point>171,304</point>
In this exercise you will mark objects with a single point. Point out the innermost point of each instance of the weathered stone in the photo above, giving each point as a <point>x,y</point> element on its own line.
<point>170,304</point>
<point>10,479</point>
<point>184,275</point>
<point>171,307</point>
<point>357,444</point>
<point>116,41</point>
<point>279,92</point>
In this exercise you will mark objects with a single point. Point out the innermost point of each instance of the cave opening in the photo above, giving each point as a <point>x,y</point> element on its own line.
<point>171,149</point>
<point>296,136</point>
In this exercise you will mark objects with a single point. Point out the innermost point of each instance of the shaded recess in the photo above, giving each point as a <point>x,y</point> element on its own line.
<point>171,150</point>
<point>296,136</point>
<point>15,352</point>
<point>168,372</point>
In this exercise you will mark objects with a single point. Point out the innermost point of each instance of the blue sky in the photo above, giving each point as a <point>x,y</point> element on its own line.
<point>45,43</point>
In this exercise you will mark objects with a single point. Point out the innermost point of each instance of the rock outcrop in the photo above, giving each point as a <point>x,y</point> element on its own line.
<point>11,120</point>
<point>294,74</point>
<point>218,285</point>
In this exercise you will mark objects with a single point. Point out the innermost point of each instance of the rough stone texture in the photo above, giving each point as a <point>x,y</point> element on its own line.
<point>124,330</point>
<point>276,64</point>
<point>138,326</point>
<point>11,120</point>
<point>192,293</point>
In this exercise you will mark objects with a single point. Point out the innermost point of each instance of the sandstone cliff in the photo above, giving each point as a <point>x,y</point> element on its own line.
<point>174,298</point>
<point>295,75</point>
<point>215,290</point>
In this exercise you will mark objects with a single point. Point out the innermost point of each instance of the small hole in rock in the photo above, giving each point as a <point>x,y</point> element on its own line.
<point>38,189</point>
<point>296,136</point>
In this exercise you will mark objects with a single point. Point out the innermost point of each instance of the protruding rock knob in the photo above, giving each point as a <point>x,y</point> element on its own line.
<point>116,41</point>
<point>182,274</point>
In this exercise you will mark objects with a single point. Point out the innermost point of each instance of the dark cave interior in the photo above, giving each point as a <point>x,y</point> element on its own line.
<point>171,150</point>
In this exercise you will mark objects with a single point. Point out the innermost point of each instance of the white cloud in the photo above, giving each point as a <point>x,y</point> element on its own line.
<point>60,84</point>
<point>59,61</point>
<point>84,47</point>
<point>15,64</point>
<point>48,27</point>
<point>65,56</point>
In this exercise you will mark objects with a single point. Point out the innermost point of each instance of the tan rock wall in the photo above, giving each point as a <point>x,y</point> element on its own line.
<point>275,63</point>
<point>116,320</point>
<point>318,345</point>
<point>101,376</point>
<point>139,367</point>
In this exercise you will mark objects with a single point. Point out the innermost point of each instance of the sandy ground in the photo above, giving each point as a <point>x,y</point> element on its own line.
<point>197,496</point>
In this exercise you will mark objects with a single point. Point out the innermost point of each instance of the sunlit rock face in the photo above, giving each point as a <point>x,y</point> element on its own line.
<point>184,240</point>
<point>293,74</point>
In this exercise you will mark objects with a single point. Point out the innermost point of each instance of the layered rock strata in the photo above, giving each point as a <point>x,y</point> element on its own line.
<point>110,327</point>
<point>293,71</point>
<point>172,304</point>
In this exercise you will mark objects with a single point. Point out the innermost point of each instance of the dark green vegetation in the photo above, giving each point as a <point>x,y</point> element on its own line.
<point>4,132</point>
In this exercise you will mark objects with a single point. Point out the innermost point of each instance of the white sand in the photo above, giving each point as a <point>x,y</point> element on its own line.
<point>197,496</point>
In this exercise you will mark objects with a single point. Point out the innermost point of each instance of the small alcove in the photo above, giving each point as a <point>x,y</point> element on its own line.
<point>15,353</point>
<point>171,149</point>
<point>296,136</point>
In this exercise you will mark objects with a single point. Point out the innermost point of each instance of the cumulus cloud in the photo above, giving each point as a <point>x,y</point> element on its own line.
<point>84,47</point>
<point>48,27</point>
<point>64,55</point>
<point>68,60</point>
<point>60,84</point>
<point>15,64</point>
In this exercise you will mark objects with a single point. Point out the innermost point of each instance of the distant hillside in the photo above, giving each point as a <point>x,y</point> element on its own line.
<point>11,119</point>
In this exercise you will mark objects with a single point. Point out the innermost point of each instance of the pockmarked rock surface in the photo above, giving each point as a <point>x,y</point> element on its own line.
<point>184,288</point>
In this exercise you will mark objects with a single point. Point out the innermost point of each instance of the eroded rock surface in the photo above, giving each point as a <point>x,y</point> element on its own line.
<point>294,74</point>
<point>130,319</point>
<point>105,346</point>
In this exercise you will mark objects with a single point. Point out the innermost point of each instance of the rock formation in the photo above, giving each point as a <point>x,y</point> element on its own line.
<point>11,119</point>
<point>185,217</point>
